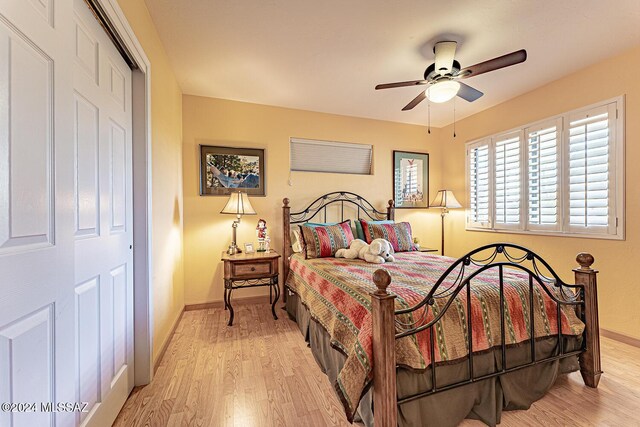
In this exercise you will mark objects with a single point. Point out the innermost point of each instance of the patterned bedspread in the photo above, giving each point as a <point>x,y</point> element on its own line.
<point>336,292</point>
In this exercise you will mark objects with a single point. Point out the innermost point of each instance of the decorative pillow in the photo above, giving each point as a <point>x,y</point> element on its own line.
<point>399,234</point>
<point>297,244</point>
<point>360,233</point>
<point>323,241</point>
<point>296,241</point>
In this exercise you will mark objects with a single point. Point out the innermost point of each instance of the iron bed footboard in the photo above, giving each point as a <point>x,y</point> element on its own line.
<point>387,325</point>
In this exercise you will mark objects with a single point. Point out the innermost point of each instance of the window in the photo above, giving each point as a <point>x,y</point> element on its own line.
<point>563,175</point>
<point>310,155</point>
<point>507,180</point>
<point>478,168</point>
<point>543,175</point>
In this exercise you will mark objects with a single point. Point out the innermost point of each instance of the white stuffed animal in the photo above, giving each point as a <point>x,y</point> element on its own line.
<point>354,249</point>
<point>378,252</point>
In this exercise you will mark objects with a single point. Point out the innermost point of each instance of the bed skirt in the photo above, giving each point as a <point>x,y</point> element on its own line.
<point>484,400</point>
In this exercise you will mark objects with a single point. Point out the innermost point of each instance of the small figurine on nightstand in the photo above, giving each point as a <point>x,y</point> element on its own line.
<point>261,231</point>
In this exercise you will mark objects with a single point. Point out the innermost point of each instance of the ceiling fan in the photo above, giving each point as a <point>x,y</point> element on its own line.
<point>442,76</point>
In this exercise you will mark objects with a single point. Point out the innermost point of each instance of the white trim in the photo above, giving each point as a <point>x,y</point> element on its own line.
<point>615,106</point>
<point>547,233</point>
<point>142,189</point>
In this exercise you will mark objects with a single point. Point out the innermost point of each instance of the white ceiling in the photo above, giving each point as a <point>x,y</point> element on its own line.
<point>327,55</point>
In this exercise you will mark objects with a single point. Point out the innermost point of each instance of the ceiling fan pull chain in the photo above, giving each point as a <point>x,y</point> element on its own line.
<point>454,117</point>
<point>429,117</point>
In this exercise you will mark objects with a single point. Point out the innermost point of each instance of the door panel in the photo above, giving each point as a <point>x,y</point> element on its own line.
<point>37,319</point>
<point>26,214</point>
<point>26,356</point>
<point>87,159</point>
<point>102,85</point>
<point>88,342</point>
<point>66,300</point>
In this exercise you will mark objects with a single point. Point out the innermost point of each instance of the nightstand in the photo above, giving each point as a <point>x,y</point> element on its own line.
<point>421,249</point>
<point>249,271</point>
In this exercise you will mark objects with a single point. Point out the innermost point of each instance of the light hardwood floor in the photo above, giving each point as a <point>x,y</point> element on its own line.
<point>260,372</point>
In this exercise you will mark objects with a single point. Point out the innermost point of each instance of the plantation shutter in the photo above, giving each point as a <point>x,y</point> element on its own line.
<point>507,180</point>
<point>478,167</point>
<point>310,155</point>
<point>591,171</point>
<point>543,175</point>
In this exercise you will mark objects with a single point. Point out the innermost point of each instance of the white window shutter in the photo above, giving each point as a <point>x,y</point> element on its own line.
<point>591,171</point>
<point>479,181</point>
<point>507,178</point>
<point>543,176</point>
<point>310,155</point>
<point>563,176</point>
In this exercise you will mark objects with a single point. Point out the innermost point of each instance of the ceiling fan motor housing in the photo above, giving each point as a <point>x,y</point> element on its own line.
<point>430,74</point>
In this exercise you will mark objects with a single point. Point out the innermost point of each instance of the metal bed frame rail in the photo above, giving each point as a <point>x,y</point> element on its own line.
<point>390,324</point>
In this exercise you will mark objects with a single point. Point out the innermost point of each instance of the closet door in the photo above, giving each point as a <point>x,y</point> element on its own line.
<point>103,221</point>
<point>66,270</point>
<point>37,289</point>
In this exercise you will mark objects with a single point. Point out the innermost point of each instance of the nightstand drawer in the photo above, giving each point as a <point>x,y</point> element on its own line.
<point>252,269</point>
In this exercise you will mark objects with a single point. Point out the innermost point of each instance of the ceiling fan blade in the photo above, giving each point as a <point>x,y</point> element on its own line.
<point>445,52</point>
<point>417,100</point>
<point>401,84</point>
<point>507,60</point>
<point>468,93</point>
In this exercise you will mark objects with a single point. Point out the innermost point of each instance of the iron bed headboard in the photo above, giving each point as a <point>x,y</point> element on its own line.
<point>318,209</point>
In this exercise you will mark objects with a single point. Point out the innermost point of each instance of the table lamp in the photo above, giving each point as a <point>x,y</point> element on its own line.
<point>445,200</point>
<point>238,204</point>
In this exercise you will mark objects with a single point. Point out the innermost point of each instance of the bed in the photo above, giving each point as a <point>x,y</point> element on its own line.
<point>399,346</point>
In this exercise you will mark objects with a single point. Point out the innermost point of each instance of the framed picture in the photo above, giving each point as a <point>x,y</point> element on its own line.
<point>410,179</point>
<point>227,169</point>
<point>248,248</point>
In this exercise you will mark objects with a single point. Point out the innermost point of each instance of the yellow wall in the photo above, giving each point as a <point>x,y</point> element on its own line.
<point>619,293</point>
<point>167,218</point>
<point>229,123</point>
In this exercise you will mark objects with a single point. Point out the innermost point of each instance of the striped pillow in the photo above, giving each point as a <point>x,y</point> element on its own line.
<point>398,234</point>
<point>324,241</point>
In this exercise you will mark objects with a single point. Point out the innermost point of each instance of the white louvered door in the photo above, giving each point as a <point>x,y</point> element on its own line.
<point>507,201</point>
<point>591,171</point>
<point>543,176</point>
<point>479,183</point>
<point>103,222</point>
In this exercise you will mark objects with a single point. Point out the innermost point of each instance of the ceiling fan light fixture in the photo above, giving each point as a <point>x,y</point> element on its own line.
<point>442,91</point>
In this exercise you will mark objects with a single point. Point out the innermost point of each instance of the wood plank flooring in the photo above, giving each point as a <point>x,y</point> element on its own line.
<point>260,372</point>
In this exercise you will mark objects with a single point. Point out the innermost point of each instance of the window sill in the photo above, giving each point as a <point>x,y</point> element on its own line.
<point>619,236</point>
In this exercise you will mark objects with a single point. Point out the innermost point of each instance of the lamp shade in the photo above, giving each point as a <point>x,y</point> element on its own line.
<point>442,91</point>
<point>238,204</point>
<point>445,199</point>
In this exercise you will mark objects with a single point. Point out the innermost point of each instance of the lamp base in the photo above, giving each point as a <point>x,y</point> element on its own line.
<point>233,249</point>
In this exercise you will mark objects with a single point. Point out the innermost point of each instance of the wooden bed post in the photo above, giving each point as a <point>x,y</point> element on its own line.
<point>590,359</point>
<point>286,243</point>
<point>385,404</point>
<point>391,211</point>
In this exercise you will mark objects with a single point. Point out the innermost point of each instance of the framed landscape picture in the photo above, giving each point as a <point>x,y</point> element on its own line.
<point>227,169</point>
<point>410,179</point>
